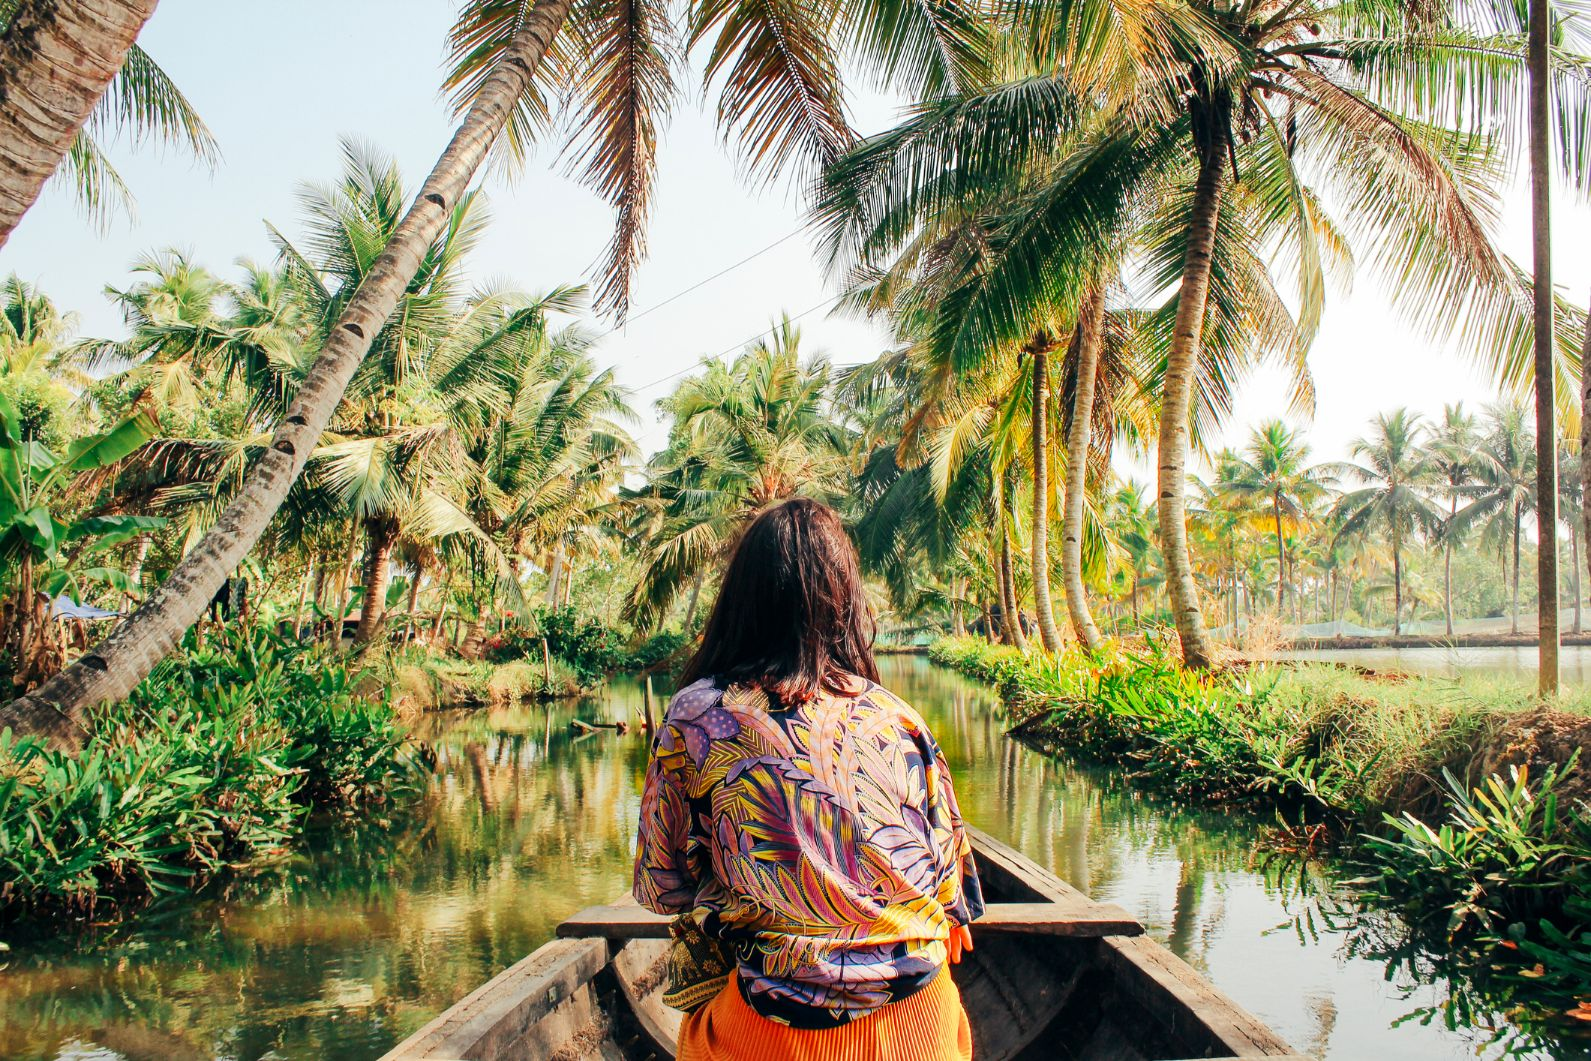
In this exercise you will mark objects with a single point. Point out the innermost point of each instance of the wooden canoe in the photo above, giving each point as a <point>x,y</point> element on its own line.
<point>1054,975</point>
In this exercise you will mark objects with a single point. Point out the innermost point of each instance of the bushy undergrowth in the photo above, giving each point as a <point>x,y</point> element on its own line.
<point>589,649</point>
<point>1505,873</point>
<point>216,758</point>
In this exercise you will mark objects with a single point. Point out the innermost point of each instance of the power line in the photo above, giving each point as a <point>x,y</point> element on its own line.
<point>786,238</point>
<point>737,346</point>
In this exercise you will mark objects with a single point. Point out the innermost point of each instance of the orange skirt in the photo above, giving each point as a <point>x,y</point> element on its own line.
<point>930,1025</point>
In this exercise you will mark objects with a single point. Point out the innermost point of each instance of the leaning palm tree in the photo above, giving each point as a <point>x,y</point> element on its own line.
<point>1232,127</point>
<point>1397,473</point>
<point>780,98</point>
<point>1451,451</point>
<point>1275,471</point>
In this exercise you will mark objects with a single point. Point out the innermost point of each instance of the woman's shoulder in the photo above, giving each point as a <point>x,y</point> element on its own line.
<point>693,701</point>
<point>885,699</point>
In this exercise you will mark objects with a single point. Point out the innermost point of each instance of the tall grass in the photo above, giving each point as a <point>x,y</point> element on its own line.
<point>215,759</point>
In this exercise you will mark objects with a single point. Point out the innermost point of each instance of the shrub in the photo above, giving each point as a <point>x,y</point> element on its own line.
<point>214,759</point>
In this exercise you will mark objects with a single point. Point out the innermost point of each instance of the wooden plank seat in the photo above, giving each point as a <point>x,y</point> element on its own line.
<point>1074,919</point>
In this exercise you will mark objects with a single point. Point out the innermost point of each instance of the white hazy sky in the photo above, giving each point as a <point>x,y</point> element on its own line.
<point>280,83</point>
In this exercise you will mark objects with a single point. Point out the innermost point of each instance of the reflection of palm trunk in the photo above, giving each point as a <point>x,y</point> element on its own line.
<point>1185,910</point>
<point>483,780</point>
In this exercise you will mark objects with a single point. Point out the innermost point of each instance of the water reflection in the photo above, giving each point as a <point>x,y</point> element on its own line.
<point>344,949</point>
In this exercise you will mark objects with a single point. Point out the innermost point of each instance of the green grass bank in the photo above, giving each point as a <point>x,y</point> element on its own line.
<point>1462,805</point>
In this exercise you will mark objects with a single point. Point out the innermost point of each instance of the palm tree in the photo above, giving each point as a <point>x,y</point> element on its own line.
<point>780,98</point>
<point>1087,342</point>
<point>744,435</point>
<point>1276,470</point>
<point>1540,17</point>
<point>1505,485</point>
<point>1129,524</point>
<point>1397,472</point>
<point>1450,450</point>
<point>1237,121</point>
<point>55,63</point>
<point>111,669</point>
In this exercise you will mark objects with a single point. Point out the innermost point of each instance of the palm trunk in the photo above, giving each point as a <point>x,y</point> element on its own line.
<point>1176,401</point>
<point>1545,370</point>
<point>1011,618</point>
<point>554,574</point>
<point>344,595</point>
<point>1574,544</point>
<point>1042,605</point>
<point>1090,335</point>
<point>56,60</point>
<point>1281,560</point>
<point>1397,585</point>
<point>135,573</point>
<point>690,608</point>
<point>1447,566</point>
<point>303,601</point>
<point>114,667</point>
<point>414,599</point>
<point>380,536</point>
<point>1585,455</point>
<point>1236,599</point>
<point>1518,511</point>
<point>958,621</point>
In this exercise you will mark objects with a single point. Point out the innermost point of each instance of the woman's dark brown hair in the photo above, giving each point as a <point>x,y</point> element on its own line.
<point>791,615</point>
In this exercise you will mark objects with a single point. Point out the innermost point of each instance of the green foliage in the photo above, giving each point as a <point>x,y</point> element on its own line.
<point>588,649</point>
<point>1510,852</point>
<point>215,759</point>
<point>1506,878</point>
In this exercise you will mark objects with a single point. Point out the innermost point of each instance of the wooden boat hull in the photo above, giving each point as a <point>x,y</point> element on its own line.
<point>1031,994</point>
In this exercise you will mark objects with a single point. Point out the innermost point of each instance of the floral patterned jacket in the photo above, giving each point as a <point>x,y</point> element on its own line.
<point>822,842</point>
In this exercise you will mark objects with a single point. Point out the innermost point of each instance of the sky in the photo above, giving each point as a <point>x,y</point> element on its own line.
<point>281,84</point>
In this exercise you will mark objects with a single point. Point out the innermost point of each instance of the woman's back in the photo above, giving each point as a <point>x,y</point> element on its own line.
<point>822,840</point>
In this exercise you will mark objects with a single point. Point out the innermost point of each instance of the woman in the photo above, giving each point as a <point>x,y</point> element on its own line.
<point>803,815</point>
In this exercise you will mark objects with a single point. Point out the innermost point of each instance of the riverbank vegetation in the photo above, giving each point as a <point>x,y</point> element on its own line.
<point>216,760</point>
<point>1399,776</point>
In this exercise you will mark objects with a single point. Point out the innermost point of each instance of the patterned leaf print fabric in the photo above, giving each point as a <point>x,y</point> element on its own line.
<point>822,841</point>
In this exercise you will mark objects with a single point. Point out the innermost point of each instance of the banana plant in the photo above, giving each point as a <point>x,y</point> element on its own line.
<point>46,551</point>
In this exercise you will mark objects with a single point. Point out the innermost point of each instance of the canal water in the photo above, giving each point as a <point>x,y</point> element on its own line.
<point>375,926</point>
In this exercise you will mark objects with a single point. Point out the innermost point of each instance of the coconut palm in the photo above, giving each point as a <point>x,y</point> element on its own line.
<point>67,75</point>
<point>1398,473</point>
<point>780,98</point>
<point>1505,486</point>
<point>1233,128</point>
<point>1129,525</point>
<point>1274,470</point>
<point>1451,452</point>
<point>744,435</point>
